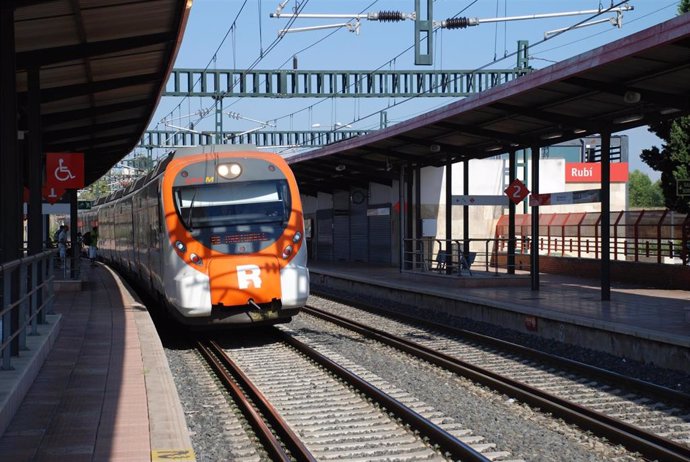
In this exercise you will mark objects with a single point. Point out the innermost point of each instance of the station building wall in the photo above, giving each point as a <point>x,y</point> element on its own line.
<point>359,225</point>
<point>364,225</point>
<point>490,177</point>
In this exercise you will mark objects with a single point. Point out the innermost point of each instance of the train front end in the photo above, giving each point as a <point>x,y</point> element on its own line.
<point>236,232</point>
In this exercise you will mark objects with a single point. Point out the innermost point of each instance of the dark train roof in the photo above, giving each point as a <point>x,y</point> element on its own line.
<point>103,66</point>
<point>633,81</point>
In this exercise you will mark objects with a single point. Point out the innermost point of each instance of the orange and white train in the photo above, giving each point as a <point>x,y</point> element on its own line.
<point>217,234</point>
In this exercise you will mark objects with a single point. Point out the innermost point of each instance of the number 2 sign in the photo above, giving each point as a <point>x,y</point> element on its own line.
<point>516,191</point>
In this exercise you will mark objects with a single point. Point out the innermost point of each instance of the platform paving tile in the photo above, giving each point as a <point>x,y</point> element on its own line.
<point>89,401</point>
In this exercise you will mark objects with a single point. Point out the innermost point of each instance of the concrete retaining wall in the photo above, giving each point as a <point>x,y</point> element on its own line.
<point>615,343</point>
<point>649,275</point>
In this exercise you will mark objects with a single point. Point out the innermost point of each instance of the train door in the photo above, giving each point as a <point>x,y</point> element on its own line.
<point>359,226</point>
<point>324,235</point>
<point>341,225</point>
<point>380,237</point>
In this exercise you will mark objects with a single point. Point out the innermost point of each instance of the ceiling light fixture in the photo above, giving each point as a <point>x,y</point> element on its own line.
<point>632,97</point>
<point>628,119</point>
<point>551,136</point>
<point>669,110</point>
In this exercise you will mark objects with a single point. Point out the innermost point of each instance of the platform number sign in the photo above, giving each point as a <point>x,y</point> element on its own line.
<point>516,191</point>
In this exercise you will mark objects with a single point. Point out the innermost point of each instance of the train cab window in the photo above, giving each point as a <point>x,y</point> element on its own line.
<point>233,204</point>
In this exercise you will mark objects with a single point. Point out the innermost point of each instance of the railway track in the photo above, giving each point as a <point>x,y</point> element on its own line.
<point>304,406</point>
<point>643,417</point>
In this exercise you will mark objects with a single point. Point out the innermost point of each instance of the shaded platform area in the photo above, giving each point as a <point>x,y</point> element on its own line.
<point>104,392</point>
<point>648,325</point>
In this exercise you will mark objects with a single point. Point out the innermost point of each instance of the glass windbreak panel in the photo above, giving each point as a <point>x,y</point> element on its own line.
<point>233,204</point>
<point>569,153</point>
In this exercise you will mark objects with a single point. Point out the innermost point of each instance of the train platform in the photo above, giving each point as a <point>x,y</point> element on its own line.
<point>648,325</point>
<point>104,391</point>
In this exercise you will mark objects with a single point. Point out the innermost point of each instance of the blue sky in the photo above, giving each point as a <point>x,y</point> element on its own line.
<point>211,40</point>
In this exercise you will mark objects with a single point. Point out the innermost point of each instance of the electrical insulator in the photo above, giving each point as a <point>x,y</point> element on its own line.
<point>456,23</point>
<point>390,16</point>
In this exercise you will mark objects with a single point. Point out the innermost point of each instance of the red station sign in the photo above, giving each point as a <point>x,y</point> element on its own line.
<point>516,191</point>
<point>64,170</point>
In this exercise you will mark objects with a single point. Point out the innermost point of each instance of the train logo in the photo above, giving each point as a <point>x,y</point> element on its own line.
<point>247,274</point>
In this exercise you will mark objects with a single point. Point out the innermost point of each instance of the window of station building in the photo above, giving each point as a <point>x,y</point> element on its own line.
<point>569,153</point>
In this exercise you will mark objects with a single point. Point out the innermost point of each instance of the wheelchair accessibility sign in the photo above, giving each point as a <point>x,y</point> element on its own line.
<point>65,170</point>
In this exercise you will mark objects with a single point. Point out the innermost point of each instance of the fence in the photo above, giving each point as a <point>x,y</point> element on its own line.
<point>659,236</point>
<point>429,254</point>
<point>30,279</point>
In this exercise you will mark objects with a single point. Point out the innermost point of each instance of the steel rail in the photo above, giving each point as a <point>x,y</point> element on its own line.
<point>657,391</point>
<point>650,445</point>
<point>445,441</point>
<point>242,391</point>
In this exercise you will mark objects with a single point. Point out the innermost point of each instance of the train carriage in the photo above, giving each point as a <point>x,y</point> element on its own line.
<point>217,234</point>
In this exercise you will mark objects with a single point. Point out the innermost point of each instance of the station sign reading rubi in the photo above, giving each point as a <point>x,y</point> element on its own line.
<point>590,172</point>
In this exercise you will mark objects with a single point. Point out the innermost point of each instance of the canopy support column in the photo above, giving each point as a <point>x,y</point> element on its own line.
<point>605,216</point>
<point>534,247</point>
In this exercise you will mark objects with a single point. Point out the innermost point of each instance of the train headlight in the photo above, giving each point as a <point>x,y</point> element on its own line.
<point>179,245</point>
<point>287,251</point>
<point>296,237</point>
<point>229,171</point>
<point>196,259</point>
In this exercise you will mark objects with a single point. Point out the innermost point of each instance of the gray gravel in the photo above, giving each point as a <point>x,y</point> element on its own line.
<point>217,432</point>
<point>675,380</point>
<point>513,427</point>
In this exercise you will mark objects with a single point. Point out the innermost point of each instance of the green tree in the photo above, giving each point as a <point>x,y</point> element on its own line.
<point>684,6</point>
<point>642,193</point>
<point>98,188</point>
<point>673,159</point>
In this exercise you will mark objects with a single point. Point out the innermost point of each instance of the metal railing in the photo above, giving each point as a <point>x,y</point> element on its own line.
<point>659,236</point>
<point>432,255</point>
<point>27,296</point>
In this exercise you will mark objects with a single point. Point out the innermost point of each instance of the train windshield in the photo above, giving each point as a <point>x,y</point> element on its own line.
<point>233,204</point>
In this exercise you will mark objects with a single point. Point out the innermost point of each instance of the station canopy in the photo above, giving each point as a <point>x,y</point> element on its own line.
<point>102,68</point>
<point>634,81</point>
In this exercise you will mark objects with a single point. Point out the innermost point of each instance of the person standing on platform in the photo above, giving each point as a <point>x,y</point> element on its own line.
<point>62,244</point>
<point>93,248</point>
<point>86,240</point>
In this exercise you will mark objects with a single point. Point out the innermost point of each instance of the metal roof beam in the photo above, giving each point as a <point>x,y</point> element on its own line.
<point>56,55</point>
<point>445,148</point>
<point>487,133</point>
<point>49,95</point>
<point>390,153</point>
<point>56,135</point>
<point>573,123</point>
<point>351,161</point>
<point>653,96</point>
<point>85,144</point>
<point>87,113</point>
<point>309,138</point>
<point>282,83</point>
